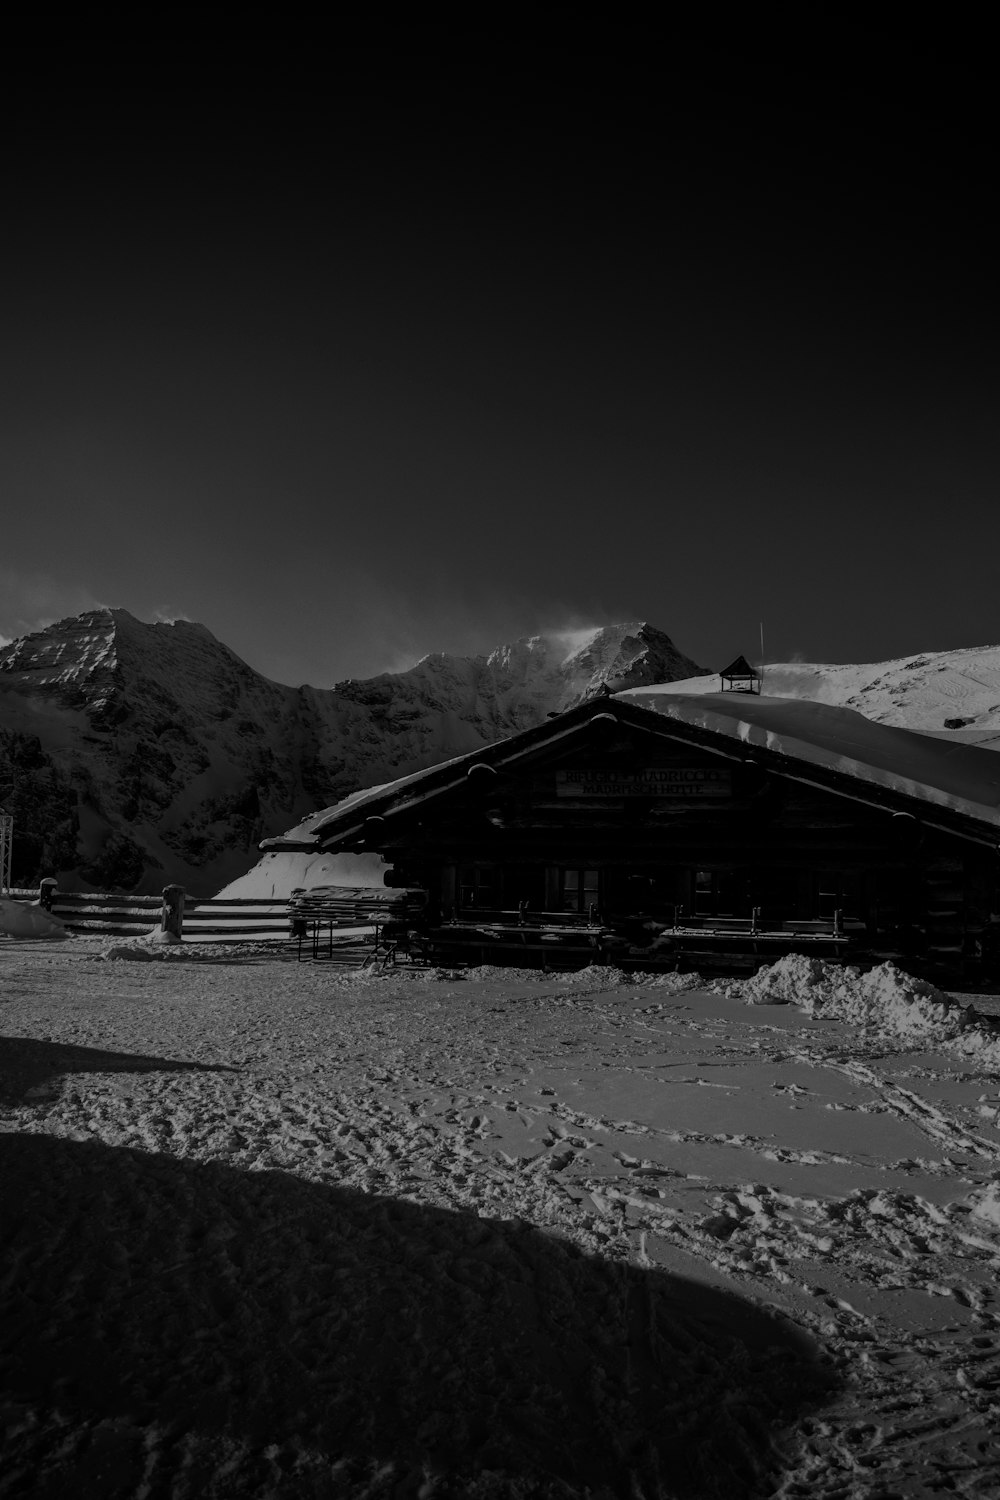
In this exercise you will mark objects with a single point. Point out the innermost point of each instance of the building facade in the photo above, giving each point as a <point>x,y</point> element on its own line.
<point>659,832</point>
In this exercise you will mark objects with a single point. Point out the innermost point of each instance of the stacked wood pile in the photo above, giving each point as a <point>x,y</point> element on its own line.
<point>354,906</point>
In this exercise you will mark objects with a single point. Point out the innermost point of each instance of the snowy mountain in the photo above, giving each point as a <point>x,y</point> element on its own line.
<point>952,694</point>
<point>133,755</point>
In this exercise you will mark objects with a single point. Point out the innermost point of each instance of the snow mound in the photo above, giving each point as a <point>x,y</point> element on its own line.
<point>884,1000</point>
<point>601,976</point>
<point>676,984</point>
<point>23,919</point>
<point>884,997</point>
<point>131,951</point>
<point>438,976</point>
<point>596,976</point>
<point>502,971</point>
<point>276,875</point>
<point>606,976</point>
<point>145,950</point>
<point>789,981</point>
<point>986,1204</point>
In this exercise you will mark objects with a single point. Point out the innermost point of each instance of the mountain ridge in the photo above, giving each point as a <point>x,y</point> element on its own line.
<point>167,757</point>
<point>133,755</point>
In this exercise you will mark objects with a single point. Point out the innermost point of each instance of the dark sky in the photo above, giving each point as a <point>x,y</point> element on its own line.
<point>351,361</point>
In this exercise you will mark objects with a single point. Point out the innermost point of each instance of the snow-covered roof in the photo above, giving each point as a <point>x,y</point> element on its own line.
<point>362,802</point>
<point>961,777</point>
<point>833,747</point>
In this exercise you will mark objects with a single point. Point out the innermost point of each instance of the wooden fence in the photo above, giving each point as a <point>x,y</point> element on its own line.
<point>220,920</point>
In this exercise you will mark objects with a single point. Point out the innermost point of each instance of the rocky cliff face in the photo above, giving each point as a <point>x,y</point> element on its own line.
<point>168,758</point>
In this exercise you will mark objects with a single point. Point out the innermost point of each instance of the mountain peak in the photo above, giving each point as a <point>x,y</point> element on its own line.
<point>589,655</point>
<point>187,757</point>
<point>58,660</point>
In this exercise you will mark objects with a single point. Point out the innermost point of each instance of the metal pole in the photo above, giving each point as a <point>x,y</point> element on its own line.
<point>6,845</point>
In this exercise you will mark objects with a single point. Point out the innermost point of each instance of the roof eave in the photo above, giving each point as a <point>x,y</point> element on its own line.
<point>426,786</point>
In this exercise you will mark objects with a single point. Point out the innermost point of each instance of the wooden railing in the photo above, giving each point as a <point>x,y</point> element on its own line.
<point>218,920</point>
<point>522,916</point>
<point>755,923</point>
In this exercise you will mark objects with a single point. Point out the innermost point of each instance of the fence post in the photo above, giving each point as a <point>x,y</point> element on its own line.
<point>46,892</point>
<point>297,925</point>
<point>172,914</point>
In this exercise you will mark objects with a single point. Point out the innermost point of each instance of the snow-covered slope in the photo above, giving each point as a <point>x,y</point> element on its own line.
<point>164,757</point>
<point>931,691</point>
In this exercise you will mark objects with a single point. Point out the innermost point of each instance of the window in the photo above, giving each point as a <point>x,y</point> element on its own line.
<point>580,890</point>
<point>647,892</point>
<point>722,893</point>
<point>839,890</point>
<point>477,886</point>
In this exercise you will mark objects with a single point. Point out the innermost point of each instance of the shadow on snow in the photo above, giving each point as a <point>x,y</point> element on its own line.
<point>188,1329</point>
<point>30,1068</point>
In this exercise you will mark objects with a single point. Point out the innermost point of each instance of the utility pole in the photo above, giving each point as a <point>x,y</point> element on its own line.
<point>6,845</point>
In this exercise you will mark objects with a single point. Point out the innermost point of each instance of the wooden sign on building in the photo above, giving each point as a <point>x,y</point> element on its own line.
<point>686,782</point>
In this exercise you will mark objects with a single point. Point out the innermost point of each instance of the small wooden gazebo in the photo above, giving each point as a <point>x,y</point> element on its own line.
<point>740,677</point>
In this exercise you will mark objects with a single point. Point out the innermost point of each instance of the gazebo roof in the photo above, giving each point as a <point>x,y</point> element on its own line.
<point>740,668</point>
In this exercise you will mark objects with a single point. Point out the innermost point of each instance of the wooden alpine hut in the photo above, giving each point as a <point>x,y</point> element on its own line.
<point>655,829</point>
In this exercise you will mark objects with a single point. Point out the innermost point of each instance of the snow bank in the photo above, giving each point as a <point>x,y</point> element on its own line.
<point>604,976</point>
<point>884,999</point>
<point>598,976</point>
<point>23,919</point>
<point>145,950</point>
<point>608,977</point>
<point>675,984</point>
<point>277,874</point>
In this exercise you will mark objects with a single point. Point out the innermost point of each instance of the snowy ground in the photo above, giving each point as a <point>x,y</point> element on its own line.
<point>282,1230</point>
